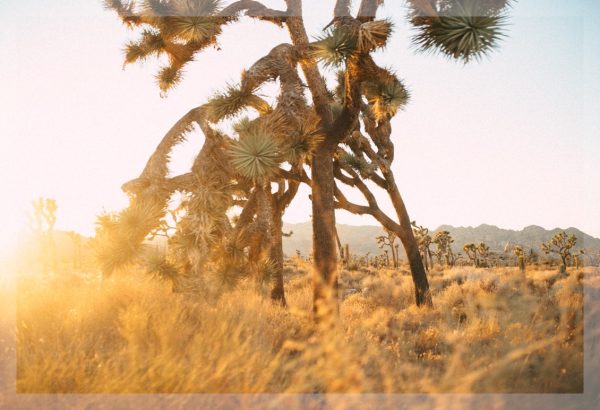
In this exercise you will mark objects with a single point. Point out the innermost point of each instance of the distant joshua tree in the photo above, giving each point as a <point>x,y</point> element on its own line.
<point>389,240</point>
<point>484,251</point>
<point>424,242</point>
<point>443,242</point>
<point>470,250</point>
<point>520,254</point>
<point>561,244</point>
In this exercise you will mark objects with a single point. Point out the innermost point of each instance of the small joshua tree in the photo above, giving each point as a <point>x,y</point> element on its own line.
<point>424,241</point>
<point>470,250</point>
<point>561,244</point>
<point>520,254</point>
<point>389,240</point>
<point>484,251</point>
<point>443,242</point>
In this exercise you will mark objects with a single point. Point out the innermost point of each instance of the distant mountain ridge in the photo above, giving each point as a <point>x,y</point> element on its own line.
<point>361,239</point>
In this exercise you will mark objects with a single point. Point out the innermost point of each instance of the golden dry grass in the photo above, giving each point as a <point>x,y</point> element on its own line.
<point>490,331</point>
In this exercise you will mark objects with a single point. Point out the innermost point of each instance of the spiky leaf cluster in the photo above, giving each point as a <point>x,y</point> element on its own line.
<point>159,266</point>
<point>120,237</point>
<point>255,156</point>
<point>175,28</point>
<point>373,35</point>
<point>341,42</point>
<point>386,97</point>
<point>299,146</point>
<point>232,101</point>
<point>337,45</point>
<point>357,163</point>
<point>463,29</point>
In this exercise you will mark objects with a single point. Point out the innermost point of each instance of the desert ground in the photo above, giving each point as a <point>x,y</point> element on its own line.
<point>490,331</point>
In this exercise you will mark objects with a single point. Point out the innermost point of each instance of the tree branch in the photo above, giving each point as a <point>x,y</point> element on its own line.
<point>368,10</point>
<point>254,9</point>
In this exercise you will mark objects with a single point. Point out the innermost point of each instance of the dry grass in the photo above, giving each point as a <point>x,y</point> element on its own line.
<point>490,331</point>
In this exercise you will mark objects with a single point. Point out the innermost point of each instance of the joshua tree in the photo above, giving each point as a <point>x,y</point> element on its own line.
<point>424,242</point>
<point>345,254</point>
<point>520,254</point>
<point>561,244</point>
<point>179,30</point>
<point>470,250</point>
<point>484,251</point>
<point>389,240</point>
<point>443,242</point>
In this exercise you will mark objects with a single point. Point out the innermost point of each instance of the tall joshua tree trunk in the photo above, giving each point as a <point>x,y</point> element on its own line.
<point>417,270</point>
<point>407,237</point>
<point>323,206</point>
<point>324,242</point>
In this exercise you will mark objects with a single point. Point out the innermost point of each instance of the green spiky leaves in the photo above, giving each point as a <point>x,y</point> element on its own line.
<point>335,47</point>
<point>342,42</point>
<point>255,156</point>
<point>176,28</point>
<point>463,30</point>
<point>232,101</point>
<point>358,164</point>
<point>119,237</point>
<point>192,20</point>
<point>302,143</point>
<point>386,97</point>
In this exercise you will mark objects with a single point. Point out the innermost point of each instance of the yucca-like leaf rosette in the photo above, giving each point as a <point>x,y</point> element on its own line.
<point>463,29</point>
<point>192,20</point>
<point>255,156</point>
<point>275,124</point>
<point>300,145</point>
<point>176,28</point>
<point>343,41</point>
<point>386,97</point>
<point>332,49</point>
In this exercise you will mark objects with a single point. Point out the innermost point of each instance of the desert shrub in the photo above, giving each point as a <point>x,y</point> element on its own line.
<point>487,332</point>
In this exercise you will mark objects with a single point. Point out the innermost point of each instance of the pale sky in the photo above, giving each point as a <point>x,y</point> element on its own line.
<point>511,140</point>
